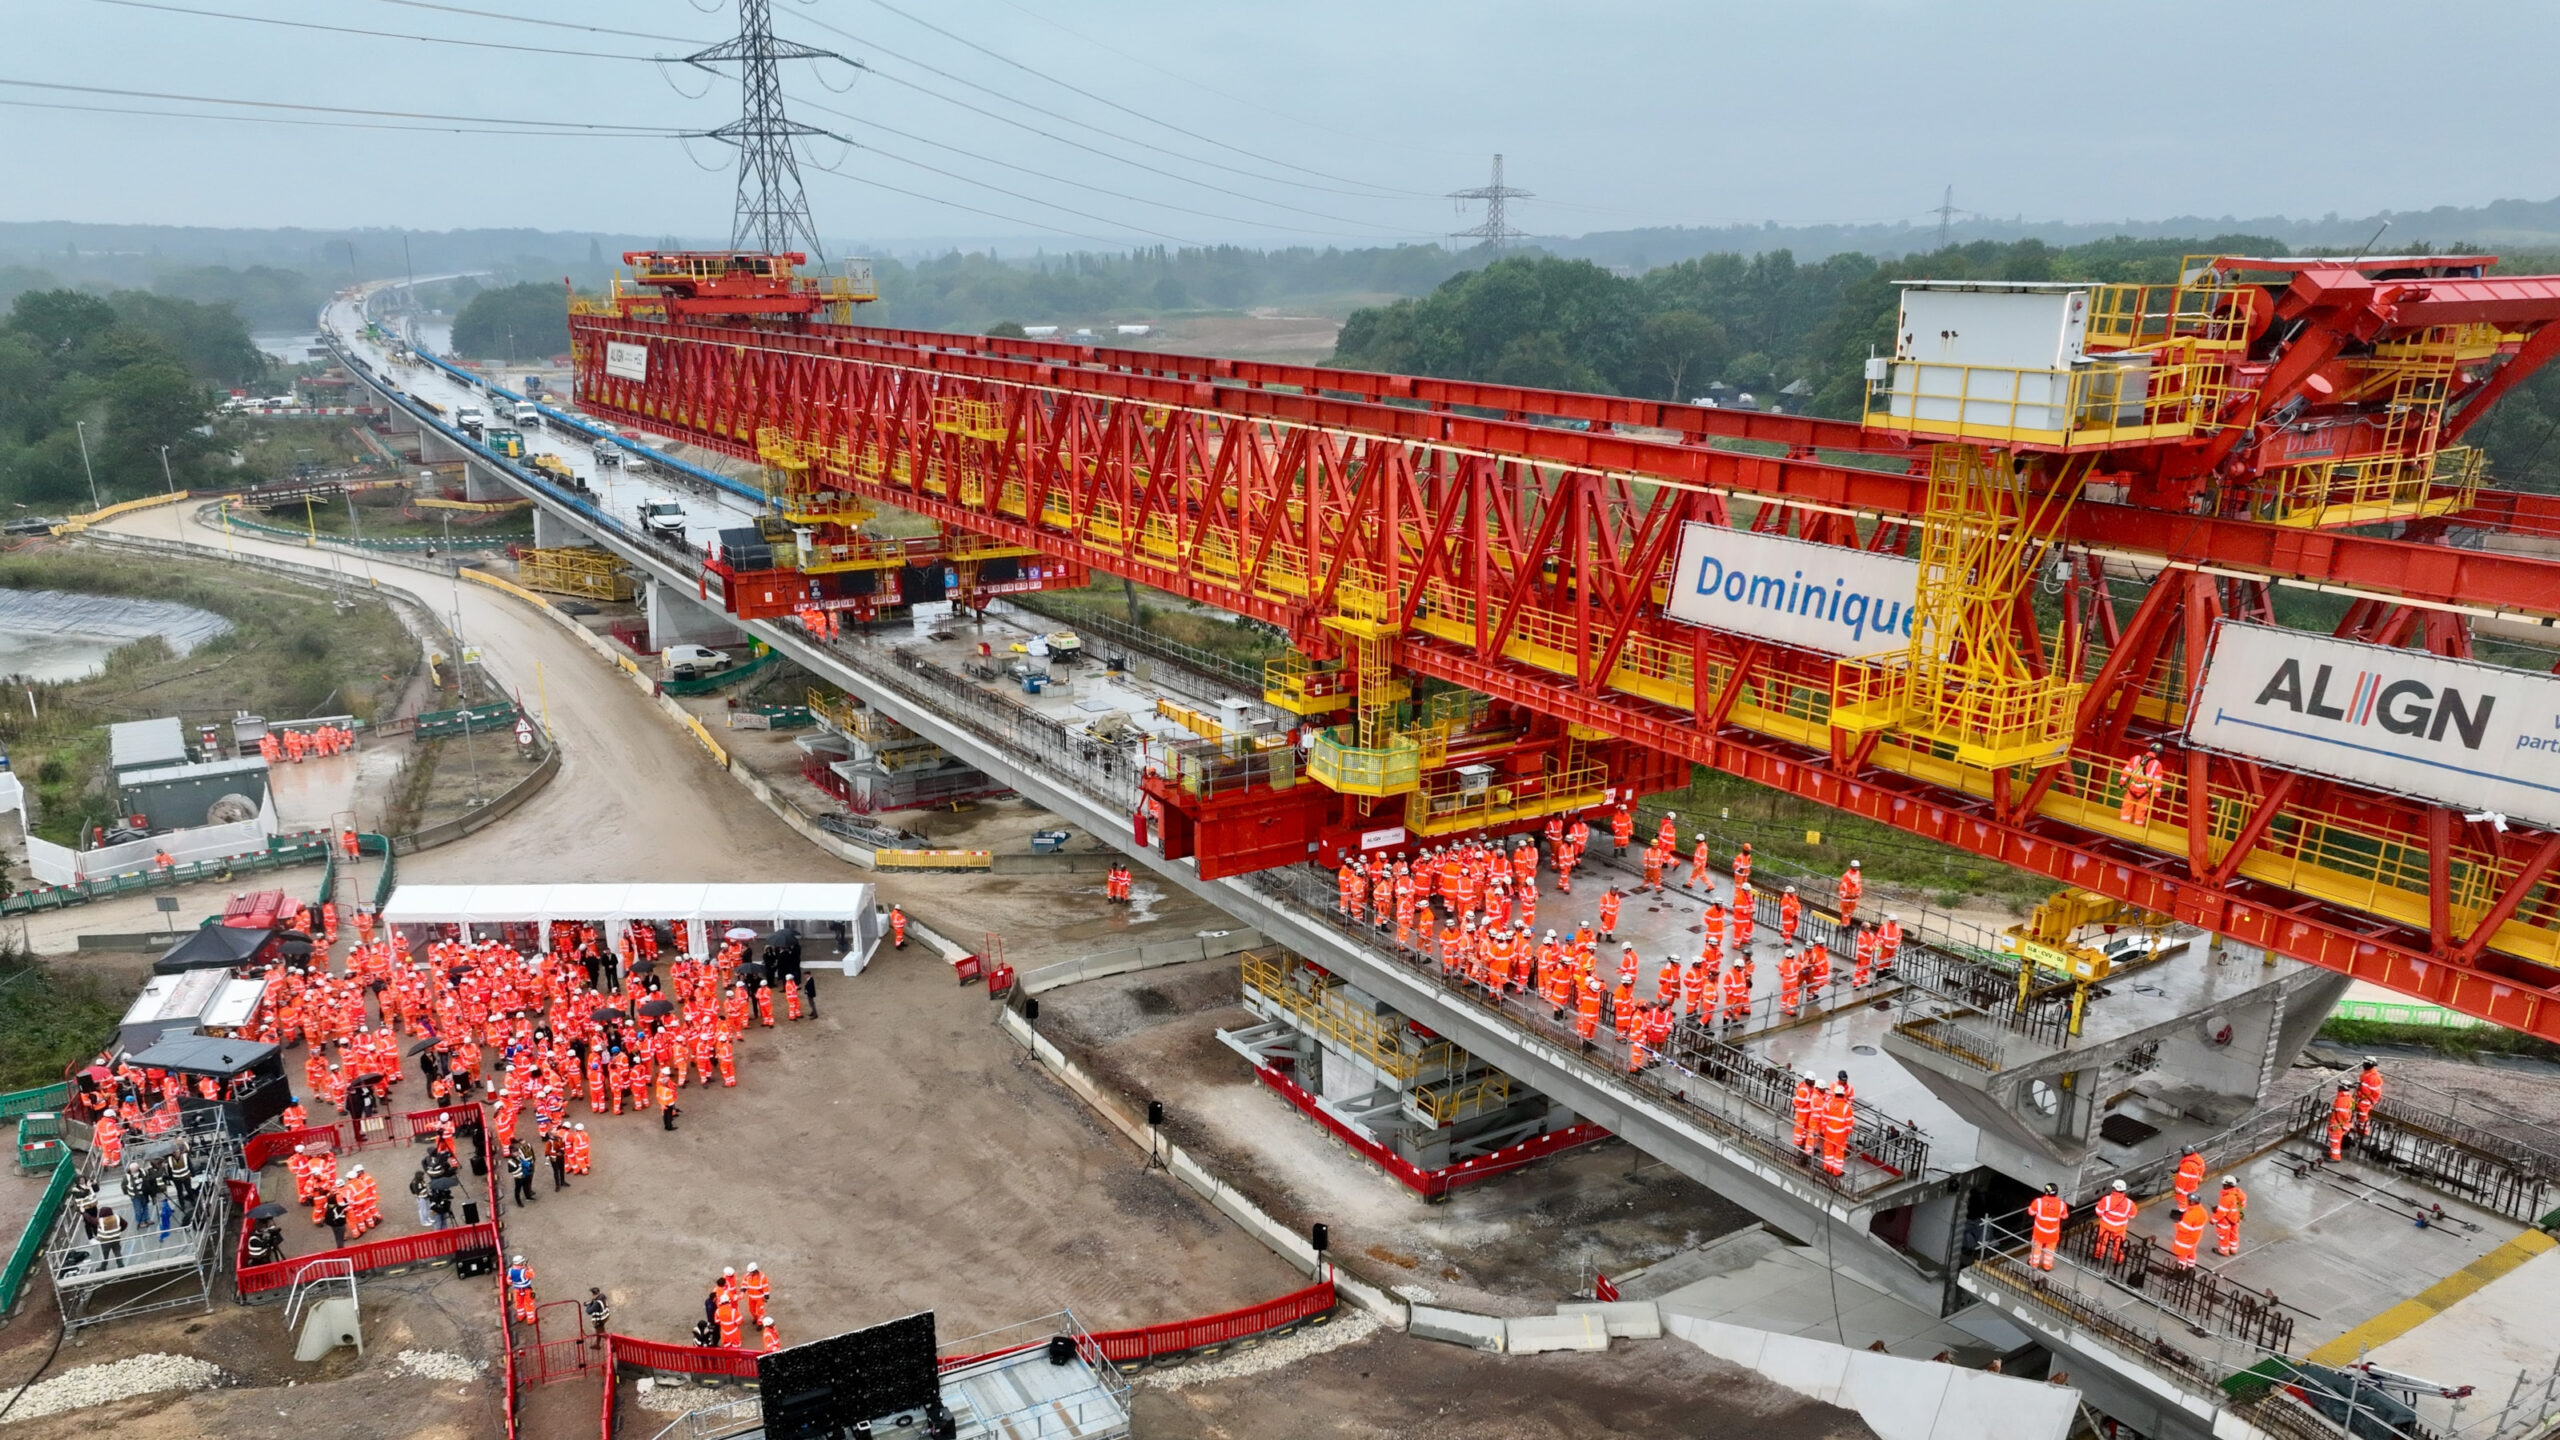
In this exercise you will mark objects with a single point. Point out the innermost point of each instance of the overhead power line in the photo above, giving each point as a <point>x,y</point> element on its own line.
<point>544,126</point>
<point>316,124</point>
<point>1378,191</point>
<point>537,20</point>
<point>871,45</point>
<point>1034,170</point>
<point>1038,225</point>
<point>1009,194</point>
<point>375,34</point>
<point>1051,135</point>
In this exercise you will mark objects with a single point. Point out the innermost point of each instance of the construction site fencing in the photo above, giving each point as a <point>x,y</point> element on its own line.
<point>2098,1306</point>
<point>43,1097</point>
<point>468,539</point>
<point>2195,1293</point>
<point>282,851</point>
<point>2493,1172</point>
<point>31,1240</point>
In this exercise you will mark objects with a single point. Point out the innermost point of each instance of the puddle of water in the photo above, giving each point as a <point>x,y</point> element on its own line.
<point>53,635</point>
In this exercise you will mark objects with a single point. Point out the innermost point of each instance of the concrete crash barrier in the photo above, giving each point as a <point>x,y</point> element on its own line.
<point>1140,957</point>
<point>1538,1334</point>
<point>1899,1399</point>
<point>1459,1327</point>
<point>1621,1319</point>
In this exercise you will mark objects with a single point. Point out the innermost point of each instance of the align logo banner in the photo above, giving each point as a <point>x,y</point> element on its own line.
<point>1813,597</point>
<point>2481,737</point>
<point>631,362</point>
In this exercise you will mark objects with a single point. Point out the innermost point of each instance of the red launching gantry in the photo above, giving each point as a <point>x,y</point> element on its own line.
<point>1914,617</point>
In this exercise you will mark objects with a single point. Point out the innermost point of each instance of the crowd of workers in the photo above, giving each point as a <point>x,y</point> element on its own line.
<point>1474,906</point>
<point>527,1035</point>
<point>313,743</point>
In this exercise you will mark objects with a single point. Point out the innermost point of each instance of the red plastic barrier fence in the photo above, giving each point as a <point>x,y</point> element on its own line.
<point>369,1255</point>
<point>1150,1341</point>
<point>270,1145</point>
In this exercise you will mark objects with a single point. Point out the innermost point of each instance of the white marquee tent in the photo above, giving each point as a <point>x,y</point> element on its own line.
<point>707,909</point>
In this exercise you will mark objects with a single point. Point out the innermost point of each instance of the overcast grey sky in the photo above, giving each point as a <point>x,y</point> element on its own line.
<point>1616,113</point>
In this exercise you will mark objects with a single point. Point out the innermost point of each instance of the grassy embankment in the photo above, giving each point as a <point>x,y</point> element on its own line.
<point>289,653</point>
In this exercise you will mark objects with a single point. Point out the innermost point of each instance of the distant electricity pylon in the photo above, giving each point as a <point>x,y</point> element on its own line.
<point>1495,231</point>
<point>1946,213</point>
<point>773,209</point>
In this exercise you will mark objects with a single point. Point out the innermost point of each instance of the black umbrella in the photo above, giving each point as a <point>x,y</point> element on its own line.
<point>641,967</point>
<point>442,1183</point>
<point>658,1007</point>
<point>605,1012</point>
<point>268,1211</point>
<point>423,1046</point>
<point>377,984</point>
<point>368,1080</point>
<point>751,973</point>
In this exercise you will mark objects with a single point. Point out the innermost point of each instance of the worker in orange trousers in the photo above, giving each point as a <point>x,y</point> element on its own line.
<point>2045,1215</point>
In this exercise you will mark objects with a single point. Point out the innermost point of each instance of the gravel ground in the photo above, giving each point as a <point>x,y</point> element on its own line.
<point>1346,1329</point>
<point>115,1380</point>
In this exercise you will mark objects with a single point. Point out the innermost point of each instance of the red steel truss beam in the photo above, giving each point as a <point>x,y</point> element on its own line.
<point>1351,493</point>
<point>1802,432</point>
<point>2426,574</point>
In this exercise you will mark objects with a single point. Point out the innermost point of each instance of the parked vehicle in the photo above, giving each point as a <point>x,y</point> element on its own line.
<point>683,662</point>
<point>662,520</point>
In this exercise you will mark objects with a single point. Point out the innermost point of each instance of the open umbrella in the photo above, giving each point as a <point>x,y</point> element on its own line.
<point>423,1046</point>
<point>750,973</point>
<point>373,1079</point>
<point>658,1007</point>
<point>642,967</point>
<point>268,1211</point>
<point>739,932</point>
<point>442,1184</point>
<point>606,1012</point>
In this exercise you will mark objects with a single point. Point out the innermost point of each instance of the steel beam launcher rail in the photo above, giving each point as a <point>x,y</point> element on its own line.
<point>1390,525</point>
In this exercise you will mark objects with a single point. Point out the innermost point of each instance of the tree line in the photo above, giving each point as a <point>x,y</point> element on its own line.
<point>126,373</point>
<point>1795,336</point>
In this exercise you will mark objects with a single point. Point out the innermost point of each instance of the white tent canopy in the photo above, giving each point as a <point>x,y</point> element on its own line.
<point>705,908</point>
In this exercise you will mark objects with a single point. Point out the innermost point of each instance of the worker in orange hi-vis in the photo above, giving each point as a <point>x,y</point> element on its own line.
<point>1610,900</point>
<point>1654,857</point>
<point>1586,1010</point>
<point>1808,1112</point>
<point>1658,1020</point>
<point>757,1287</point>
<point>2190,1178</point>
<point>1622,1011</point>
<point>1790,982</point>
<point>1839,1118</point>
<point>772,1338</point>
<point>2045,1215</point>
<point>1888,941</point>
<point>1622,829</point>
<point>1742,867</point>
<point>2115,1213</point>
<point>1666,982</point>
<point>1862,971</point>
<point>2342,1120</point>
<point>1746,915</point>
<point>728,1058</point>
<point>1853,884</point>
<point>520,1296</point>
<point>897,928</point>
<point>1698,990</point>
<point>1382,897</point>
<point>1350,885</point>
<point>1698,862</point>
<point>725,1315</point>
<point>2229,1209</point>
<point>2187,1235</point>
<point>2141,785</point>
<point>1737,993</point>
<point>1628,964</point>
<point>2368,1095</point>
<point>1667,835</point>
<point>1817,968</point>
<point>1453,939</point>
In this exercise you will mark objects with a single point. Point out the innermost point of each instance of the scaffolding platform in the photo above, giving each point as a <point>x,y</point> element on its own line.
<point>155,1270</point>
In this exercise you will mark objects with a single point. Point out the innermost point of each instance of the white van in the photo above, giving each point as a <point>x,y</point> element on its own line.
<point>683,662</point>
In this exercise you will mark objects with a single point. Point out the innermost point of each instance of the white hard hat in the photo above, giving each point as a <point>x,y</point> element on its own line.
<point>728,1269</point>
<point>516,1260</point>
<point>1853,864</point>
<point>2119,1187</point>
<point>751,1265</point>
